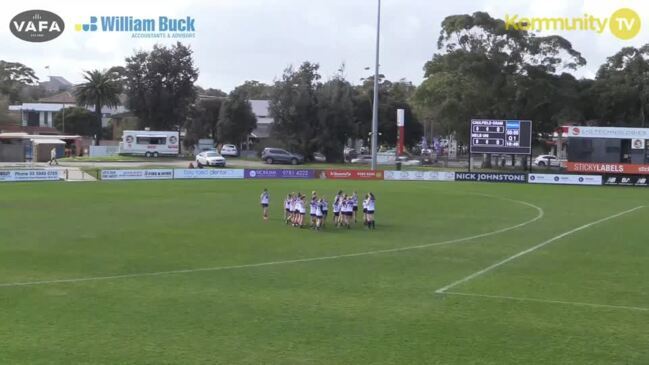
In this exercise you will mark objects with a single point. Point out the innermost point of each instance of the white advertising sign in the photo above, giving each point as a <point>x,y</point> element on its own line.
<point>29,175</point>
<point>401,117</point>
<point>565,179</point>
<point>608,132</point>
<point>155,174</point>
<point>419,175</point>
<point>208,174</point>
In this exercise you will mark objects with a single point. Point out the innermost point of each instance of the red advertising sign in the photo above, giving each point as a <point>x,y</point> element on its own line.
<point>352,174</point>
<point>610,168</point>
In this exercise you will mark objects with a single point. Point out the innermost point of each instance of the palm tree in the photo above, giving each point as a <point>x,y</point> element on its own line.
<point>102,88</point>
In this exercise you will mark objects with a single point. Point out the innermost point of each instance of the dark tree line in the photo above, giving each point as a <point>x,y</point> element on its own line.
<point>483,70</point>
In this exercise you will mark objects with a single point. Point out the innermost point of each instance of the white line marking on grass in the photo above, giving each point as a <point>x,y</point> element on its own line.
<point>539,215</point>
<point>536,300</point>
<point>532,249</point>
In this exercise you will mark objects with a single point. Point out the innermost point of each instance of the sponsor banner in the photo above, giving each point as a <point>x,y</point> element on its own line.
<point>565,179</point>
<point>352,174</point>
<point>626,180</point>
<point>208,173</point>
<point>608,132</point>
<point>29,175</point>
<point>491,177</point>
<point>279,174</point>
<point>153,174</point>
<point>419,175</point>
<point>608,168</point>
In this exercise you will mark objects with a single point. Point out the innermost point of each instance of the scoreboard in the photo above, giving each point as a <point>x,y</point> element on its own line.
<point>513,137</point>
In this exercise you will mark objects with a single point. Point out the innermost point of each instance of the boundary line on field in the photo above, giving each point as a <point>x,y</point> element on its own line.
<point>548,301</point>
<point>540,214</point>
<point>487,269</point>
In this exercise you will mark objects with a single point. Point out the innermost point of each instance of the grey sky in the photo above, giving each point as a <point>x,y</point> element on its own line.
<point>240,40</point>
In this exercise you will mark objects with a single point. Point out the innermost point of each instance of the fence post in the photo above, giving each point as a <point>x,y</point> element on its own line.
<point>67,176</point>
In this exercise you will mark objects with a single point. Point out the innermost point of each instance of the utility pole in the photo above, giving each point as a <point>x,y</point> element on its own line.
<point>375,104</point>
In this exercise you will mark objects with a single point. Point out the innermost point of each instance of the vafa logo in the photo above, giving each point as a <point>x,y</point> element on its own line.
<point>36,25</point>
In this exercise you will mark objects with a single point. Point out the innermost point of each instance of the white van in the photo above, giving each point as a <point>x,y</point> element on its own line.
<point>149,143</point>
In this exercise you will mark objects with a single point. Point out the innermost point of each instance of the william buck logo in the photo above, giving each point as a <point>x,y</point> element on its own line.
<point>37,25</point>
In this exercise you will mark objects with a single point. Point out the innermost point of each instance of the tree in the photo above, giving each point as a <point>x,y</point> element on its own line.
<point>335,117</point>
<point>620,92</point>
<point>255,90</point>
<point>210,92</point>
<point>77,121</point>
<point>392,96</point>
<point>100,89</point>
<point>160,86</point>
<point>294,107</point>
<point>236,119</point>
<point>485,70</point>
<point>203,121</point>
<point>14,77</point>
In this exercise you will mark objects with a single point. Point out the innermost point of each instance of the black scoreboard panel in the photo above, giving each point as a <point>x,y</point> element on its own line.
<point>512,137</point>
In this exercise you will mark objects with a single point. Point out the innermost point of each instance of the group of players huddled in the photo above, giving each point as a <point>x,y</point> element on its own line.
<point>345,208</point>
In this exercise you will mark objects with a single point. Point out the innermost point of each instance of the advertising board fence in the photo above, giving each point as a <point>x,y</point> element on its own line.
<point>152,174</point>
<point>352,174</point>
<point>491,177</point>
<point>563,179</point>
<point>30,175</point>
<point>279,174</point>
<point>208,173</point>
<point>419,175</point>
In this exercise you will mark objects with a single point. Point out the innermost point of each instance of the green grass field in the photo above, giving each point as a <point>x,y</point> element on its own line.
<point>187,272</point>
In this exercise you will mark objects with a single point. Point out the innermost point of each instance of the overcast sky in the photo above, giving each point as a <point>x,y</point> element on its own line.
<point>238,40</point>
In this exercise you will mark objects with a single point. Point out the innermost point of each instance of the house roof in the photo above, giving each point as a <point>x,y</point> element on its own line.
<point>65,97</point>
<point>260,108</point>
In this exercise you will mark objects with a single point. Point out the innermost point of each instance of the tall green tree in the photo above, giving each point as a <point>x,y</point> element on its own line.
<point>335,117</point>
<point>100,89</point>
<point>236,119</point>
<point>160,86</point>
<point>294,107</point>
<point>203,120</point>
<point>255,90</point>
<point>77,120</point>
<point>621,88</point>
<point>14,76</point>
<point>484,70</point>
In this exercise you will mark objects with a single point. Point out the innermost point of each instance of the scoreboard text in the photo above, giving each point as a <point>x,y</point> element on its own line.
<point>501,136</point>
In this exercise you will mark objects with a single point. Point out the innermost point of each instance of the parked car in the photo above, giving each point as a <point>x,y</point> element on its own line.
<point>229,150</point>
<point>547,160</point>
<point>210,158</point>
<point>278,155</point>
<point>363,159</point>
<point>319,157</point>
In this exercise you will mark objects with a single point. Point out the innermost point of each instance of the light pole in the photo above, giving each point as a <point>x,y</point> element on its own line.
<point>375,104</point>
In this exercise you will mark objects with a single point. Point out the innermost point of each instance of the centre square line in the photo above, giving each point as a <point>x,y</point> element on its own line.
<point>487,269</point>
<point>548,301</point>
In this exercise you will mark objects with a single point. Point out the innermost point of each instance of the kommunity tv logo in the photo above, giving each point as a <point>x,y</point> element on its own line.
<point>624,23</point>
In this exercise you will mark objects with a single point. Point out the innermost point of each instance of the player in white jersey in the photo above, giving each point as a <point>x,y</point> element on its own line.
<point>346,210</point>
<point>318,214</point>
<point>325,210</point>
<point>313,207</point>
<point>371,207</point>
<point>301,207</point>
<point>365,210</point>
<point>287,208</point>
<point>354,205</point>
<point>336,207</point>
<point>265,201</point>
